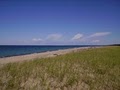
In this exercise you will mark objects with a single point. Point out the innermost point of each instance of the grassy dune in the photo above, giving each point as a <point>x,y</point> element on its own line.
<point>92,69</point>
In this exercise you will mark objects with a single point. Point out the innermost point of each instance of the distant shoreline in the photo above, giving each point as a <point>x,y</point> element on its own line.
<point>33,56</point>
<point>18,50</point>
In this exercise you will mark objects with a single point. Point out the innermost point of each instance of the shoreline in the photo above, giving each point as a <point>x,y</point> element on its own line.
<point>33,56</point>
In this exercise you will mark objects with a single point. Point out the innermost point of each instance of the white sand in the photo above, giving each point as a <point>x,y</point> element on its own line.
<point>39,55</point>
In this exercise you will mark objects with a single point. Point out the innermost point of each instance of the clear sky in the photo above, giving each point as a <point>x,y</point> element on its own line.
<point>46,22</point>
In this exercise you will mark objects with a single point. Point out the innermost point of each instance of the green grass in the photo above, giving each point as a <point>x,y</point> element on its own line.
<point>92,69</point>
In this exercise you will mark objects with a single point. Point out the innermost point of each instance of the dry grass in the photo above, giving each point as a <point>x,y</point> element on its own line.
<point>92,69</point>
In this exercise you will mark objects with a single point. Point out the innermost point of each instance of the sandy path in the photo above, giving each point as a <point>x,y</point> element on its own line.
<point>39,55</point>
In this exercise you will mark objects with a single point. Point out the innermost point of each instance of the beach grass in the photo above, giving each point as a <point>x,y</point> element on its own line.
<point>90,69</point>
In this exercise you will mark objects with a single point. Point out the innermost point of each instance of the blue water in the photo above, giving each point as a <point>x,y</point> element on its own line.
<point>12,50</point>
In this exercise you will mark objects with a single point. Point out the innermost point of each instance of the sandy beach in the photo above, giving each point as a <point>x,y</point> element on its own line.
<point>39,55</point>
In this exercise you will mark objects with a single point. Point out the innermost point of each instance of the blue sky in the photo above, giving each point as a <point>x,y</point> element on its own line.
<point>46,22</point>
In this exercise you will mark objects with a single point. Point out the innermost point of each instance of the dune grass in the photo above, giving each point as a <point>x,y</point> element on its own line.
<point>91,69</point>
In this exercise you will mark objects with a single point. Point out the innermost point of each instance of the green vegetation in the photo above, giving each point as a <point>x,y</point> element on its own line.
<point>91,69</point>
